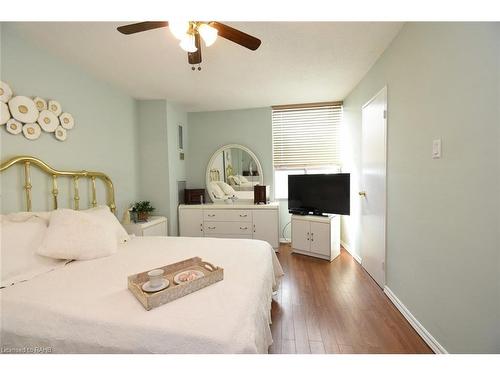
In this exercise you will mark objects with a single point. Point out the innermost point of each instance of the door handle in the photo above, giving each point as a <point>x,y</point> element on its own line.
<point>254,228</point>
<point>362,194</point>
<point>312,236</point>
<point>308,236</point>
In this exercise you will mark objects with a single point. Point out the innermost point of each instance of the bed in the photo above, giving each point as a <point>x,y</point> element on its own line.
<point>238,184</point>
<point>85,306</point>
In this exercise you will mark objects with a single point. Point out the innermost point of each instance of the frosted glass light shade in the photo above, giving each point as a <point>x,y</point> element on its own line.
<point>208,34</point>
<point>178,28</point>
<point>188,43</point>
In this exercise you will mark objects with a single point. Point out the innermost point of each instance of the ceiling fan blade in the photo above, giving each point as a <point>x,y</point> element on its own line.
<point>141,26</point>
<point>195,57</point>
<point>236,36</point>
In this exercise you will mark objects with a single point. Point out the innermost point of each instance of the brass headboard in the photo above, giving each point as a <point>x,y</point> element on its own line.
<point>229,170</point>
<point>214,175</point>
<point>28,161</point>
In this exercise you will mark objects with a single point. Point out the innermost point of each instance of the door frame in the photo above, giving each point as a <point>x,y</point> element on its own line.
<point>386,158</point>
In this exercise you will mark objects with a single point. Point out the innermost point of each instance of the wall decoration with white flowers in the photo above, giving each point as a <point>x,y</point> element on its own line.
<point>31,116</point>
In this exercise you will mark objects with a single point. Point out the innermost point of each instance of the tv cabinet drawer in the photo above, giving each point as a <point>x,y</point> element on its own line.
<point>227,215</point>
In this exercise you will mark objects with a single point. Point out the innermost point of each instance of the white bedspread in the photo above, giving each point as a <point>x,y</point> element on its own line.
<point>86,307</point>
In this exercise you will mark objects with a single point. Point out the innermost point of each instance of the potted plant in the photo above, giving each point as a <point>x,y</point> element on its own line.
<point>141,210</point>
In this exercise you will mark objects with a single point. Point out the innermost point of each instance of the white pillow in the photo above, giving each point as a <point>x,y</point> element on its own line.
<point>78,235</point>
<point>243,179</point>
<point>101,211</point>
<point>24,216</point>
<point>217,191</point>
<point>105,213</point>
<point>235,179</point>
<point>19,241</point>
<point>228,190</point>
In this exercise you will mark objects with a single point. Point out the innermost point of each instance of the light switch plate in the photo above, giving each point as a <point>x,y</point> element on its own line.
<point>436,149</point>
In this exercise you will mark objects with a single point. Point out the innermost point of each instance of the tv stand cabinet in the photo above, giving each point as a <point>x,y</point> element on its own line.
<point>316,236</point>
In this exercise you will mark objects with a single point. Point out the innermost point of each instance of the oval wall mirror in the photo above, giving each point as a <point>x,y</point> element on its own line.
<point>232,172</point>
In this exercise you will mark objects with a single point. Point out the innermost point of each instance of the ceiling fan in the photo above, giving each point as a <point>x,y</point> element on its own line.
<point>190,34</point>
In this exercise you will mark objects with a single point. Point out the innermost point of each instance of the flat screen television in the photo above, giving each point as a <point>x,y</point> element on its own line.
<point>319,194</point>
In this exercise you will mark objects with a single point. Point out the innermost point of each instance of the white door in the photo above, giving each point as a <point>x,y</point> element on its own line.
<point>301,234</point>
<point>320,238</point>
<point>373,186</point>
<point>191,222</point>
<point>265,226</point>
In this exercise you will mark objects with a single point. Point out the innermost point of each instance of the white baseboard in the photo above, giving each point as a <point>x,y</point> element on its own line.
<point>355,256</point>
<point>426,336</point>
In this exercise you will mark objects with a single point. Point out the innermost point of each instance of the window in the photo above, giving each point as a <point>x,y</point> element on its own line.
<point>305,141</point>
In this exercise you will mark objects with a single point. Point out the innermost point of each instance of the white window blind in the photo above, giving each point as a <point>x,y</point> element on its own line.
<point>306,136</point>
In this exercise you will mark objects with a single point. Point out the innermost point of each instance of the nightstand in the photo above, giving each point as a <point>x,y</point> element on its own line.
<point>155,226</point>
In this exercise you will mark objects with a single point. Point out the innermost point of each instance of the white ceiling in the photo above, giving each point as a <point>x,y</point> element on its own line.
<point>298,62</point>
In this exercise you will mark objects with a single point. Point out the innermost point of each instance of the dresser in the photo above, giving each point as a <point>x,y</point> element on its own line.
<point>250,221</point>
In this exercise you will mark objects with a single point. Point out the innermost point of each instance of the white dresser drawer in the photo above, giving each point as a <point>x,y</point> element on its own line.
<point>218,235</point>
<point>227,215</point>
<point>227,227</point>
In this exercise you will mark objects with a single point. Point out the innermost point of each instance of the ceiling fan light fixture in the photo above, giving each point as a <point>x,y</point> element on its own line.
<point>188,43</point>
<point>208,34</point>
<point>190,34</point>
<point>178,28</point>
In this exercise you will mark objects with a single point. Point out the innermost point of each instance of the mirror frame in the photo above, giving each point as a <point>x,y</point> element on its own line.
<point>222,149</point>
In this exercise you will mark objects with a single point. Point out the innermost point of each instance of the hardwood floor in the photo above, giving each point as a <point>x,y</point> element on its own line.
<point>336,307</point>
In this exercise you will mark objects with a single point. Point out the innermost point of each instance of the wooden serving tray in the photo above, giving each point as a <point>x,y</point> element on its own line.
<point>174,291</point>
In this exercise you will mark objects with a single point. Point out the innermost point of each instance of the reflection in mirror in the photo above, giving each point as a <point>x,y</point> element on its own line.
<point>237,167</point>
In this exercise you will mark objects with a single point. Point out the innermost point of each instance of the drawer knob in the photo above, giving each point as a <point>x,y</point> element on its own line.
<point>211,215</point>
<point>244,215</point>
<point>211,227</point>
<point>243,227</point>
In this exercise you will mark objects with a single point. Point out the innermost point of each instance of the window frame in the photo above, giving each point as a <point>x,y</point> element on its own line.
<point>280,184</point>
<point>297,127</point>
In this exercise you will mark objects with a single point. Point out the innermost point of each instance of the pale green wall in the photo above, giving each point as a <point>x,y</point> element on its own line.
<point>443,225</point>
<point>211,130</point>
<point>159,165</point>
<point>103,138</point>
<point>176,116</point>
<point>154,183</point>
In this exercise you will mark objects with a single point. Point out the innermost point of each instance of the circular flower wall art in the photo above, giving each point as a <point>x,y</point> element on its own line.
<point>33,116</point>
